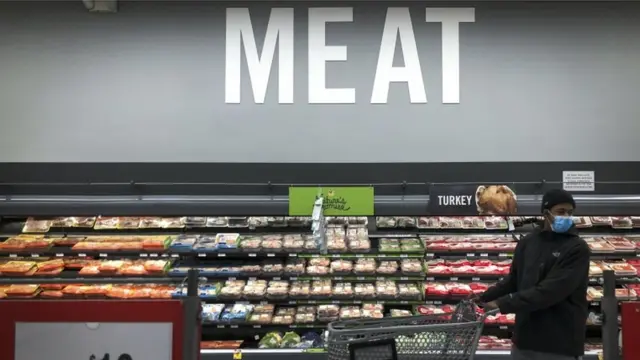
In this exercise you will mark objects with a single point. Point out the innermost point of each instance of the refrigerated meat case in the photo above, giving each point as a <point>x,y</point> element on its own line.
<point>460,259</point>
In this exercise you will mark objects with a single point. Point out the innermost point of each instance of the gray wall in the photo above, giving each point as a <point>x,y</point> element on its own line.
<point>539,82</point>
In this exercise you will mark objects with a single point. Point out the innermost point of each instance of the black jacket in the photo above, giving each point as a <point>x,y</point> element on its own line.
<point>546,289</point>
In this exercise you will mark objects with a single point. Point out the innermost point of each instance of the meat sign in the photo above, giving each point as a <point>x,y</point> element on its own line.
<point>280,31</point>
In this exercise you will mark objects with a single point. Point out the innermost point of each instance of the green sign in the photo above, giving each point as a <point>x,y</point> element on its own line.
<point>338,201</point>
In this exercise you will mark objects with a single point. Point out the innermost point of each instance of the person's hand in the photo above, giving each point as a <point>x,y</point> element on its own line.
<point>491,305</point>
<point>473,297</point>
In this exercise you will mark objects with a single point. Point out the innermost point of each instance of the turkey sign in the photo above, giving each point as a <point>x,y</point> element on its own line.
<point>280,31</point>
<point>471,200</point>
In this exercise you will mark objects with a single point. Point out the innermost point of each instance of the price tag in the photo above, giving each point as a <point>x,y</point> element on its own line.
<point>252,279</point>
<point>404,278</point>
<point>502,255</point>
<point>276,278</point>
<point>13,255</point>
<point>335,255</point>
<point>293,255</point>
<point>404,256</point>
<point>252,255</point>
<point>337,278</point>
<point>234,326</point>
<point>360,278</point>
<point>292,302</point>
<point>175,255</point>
<point>220,326</point>
<point>335,302</point>
<point>430,255</point>
<point>82,255</point>
<point>202,255</point>
<point>471,255</point>
<point>404,302</point>
<point>59,255</point>
<point>454,279</point>
<point>153,255</point>
<point>35,255</point>
<point>293,278</point>
<point>359,255</point>
<point>271,255</point>
<point>102,255</point>
<point>315,255</point>
<point>484,255</point>
<point>264,302</point>
<point>430,279</point>
<point>503,327</point>
<point>100,341</point>
<point>222,254</point>
<point>232,279</point>
<point>145,255</point>
<point>475,279</point>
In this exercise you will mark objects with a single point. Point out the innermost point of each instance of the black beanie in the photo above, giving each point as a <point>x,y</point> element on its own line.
<point>557,196</point>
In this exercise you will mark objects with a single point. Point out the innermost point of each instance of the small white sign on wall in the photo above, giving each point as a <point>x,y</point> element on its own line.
<point>579,180</point>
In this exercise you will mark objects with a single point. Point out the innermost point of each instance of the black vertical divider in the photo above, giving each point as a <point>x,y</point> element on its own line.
<point>609,304</point>
<point>192,314</point>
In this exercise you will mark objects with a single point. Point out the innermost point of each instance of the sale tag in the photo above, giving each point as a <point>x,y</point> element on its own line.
<point>237,354</point>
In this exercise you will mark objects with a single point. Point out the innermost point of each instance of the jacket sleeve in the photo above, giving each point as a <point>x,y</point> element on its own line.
<point>567,274</point>
<point>507,285</point>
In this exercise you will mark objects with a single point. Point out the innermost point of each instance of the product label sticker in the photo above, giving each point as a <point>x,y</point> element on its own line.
<point>237,354</point>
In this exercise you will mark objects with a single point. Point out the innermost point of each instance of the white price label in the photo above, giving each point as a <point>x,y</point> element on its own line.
<point>103,255</point>
<point>82,255</point>
<point>475,279</point>
<point>471,255</point>
<point>222,254</point>
<point>484,255</point>
<point>153,255</point>
<point>59,255</point>
<point>175,255</point>
<point>293,255</point>
<point>431,254</point>
<point>257,326</point>
<point>93,341</point>
<point>35,255</point>
<point>404,278</point>
<point>13,255</point>
<point>220,326</point>
<point>252,255</point>
<point>144,255</point>
<point>359,255</point>
<point>271,255</point>
<point>202,255</point>
<point>579,180</point>
<point>502,255</point>
<point>454,279</point>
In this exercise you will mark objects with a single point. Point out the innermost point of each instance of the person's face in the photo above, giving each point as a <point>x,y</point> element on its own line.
<point>558,210</point>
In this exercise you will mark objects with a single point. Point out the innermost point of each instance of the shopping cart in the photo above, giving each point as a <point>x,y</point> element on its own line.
<point>432,337</point>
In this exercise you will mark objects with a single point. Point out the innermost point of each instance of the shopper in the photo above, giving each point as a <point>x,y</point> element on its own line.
<point>546,287</point>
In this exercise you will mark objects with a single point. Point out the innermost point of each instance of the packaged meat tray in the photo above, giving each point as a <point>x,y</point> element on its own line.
<point>272,243</point>
<point>295,267</point>
<point>336,244</point>
<point>341,267</point>
<point>194,221</point>
<point>601,220</point>
<point>385,222</point>
<point>237,221</point>
<point>621,222</point>
<point>621,268</point>
<point>365,266</point>
<point>357,220</point>
<point>277,221</point>
<point>293,243</point>
<point>232,290</point>
<point>428,223</point>
<point>621,244</point>
<point>495,222</point>
<point>252,244</point>
<point>18,268</point>
<point>409,291</point>
<point>411,267</point>
<point>449,222</point>
<point>305,315</point>
<point>386,290</point>
<point>582,222</point>
<point>411,245</point>
<point>373,311</point>
<point>635,220</point>
<point>350,312</point>
<point>22,290</point>
<point>342,290</point>
<point>625,294</point>
<point>300,290</point>
<point>36,226</point>
<point>321,289</point>
<point>472,222</point>
<point>226,344</point>
<point>277,290</point>
<point>594,293</point>
<point>364,291</point>
<point>236,313</point>
<point>272,267</point>
<point>405,222</point>
<point>257,222</point>
<point>389,245</point>
<point>600,246</point>
<point>596,268</point>
<point>387,268</point>
<point>328,313</point>
<point>227,241</point>
<point>400,313</point>
<point>217,222</point>
<point>261,318</point>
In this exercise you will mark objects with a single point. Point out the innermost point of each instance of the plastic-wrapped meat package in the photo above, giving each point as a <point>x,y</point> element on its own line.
<point>428,222</point>
<point>472,222</point>
<point>155,266</point>
<point>171,223</point>
<point>227,240</point>
<point>601,220</point>
<point>194,221</point>
<point>385,222</point>
<point>300,290</point>
<point>236,313</point>
<point>581,222</point>
<point>293,242</point>
<point>621,268</point>
<point>387,267</point>
<point>112,266</point>
<point>495,222</point>
<point>277,221</point>
<point>336,220</point>
<point>36,226</point>
<point>205,243</point>
<point>364,291</point>
<point>621,222</point>
<point>295,267</point>
<point>359,245</point>
<point>272,267</point>
<point>217,222</point>
<point>327,313</point>
<point>128,222</point>
<point>600,246</point>
<point>389,245</point>
<point>372,311</point>
<point>277,290</point>
<point>357,220</point>
<point>365,266</point>
<point>386,289</point>
<point>342,290</point>
<point>250,243</point>
<point>411,266</point>
<point>321,288</point>
<point>458,289</point>
<point>22,290</point>
<point>409,291</point>
<point>336,243</point>
<point>106,222</point>
<point>272,243</point>
<point>635,220</point>
<point>305,315</point>
<point>232,290</point>
<point>405,222</point>
<point>621,243</point>
<point>298,221</point>
<point>344,267</point>
<point>258,222</point>
<point>317,270</point>
<point>350,312</point>
<point>400,313</point>
<point>439,269</point>
<point>411,245</point>
<point>150,222</point>
<point>450,222</point>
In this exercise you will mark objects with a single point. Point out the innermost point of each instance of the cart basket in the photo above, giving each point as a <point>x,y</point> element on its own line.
<point>432,337</point>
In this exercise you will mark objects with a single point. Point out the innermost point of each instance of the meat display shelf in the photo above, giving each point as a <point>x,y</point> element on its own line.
<point>312,302</point>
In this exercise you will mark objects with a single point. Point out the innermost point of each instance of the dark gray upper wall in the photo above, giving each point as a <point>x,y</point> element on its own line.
<point>539,82</point>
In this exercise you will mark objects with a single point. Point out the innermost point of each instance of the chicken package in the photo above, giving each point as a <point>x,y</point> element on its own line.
<point>295,267</point>
<point>328,313</point>
<point>409,291</point>
<point>365,266</point>
<point>411,267</point>
<point>272,243</point>
<point>364,291</point>
<point>232,290</point>
<point>305,315</point>
<point>621,222</point>
<point>374,311</point>
<point>350,312</point>
<point>385,222</point>
<point>36,225</point>
<point>18,268</point>
<point>254,289</point>
<point>277,290</point>
<point>341,267</point>
<point>293,242</point>
<point>386,290</point>
<point>300,290</point>
<point>430,222</point>
<point>257,222</point>
<point>194,221</point>
<point>272,267</point>
<point>448,222</point>
<point>472,222</point>
<point>601,220</point>
<point>251,244</point>
<point>342,290</point>
<point>321,289</point>
<point>387,267</point>
<point>389,245</point>
<point>405,222</point>
<point>217,222</point>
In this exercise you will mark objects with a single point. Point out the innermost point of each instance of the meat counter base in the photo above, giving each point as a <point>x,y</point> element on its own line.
<point>294,354</point>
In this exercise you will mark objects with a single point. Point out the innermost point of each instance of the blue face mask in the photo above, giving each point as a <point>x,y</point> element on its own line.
<point>561,224</point>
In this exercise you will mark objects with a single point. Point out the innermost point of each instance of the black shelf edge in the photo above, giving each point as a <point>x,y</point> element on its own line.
<point>213,300</point>
<point>155,205</point>
<point>350,278</point>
